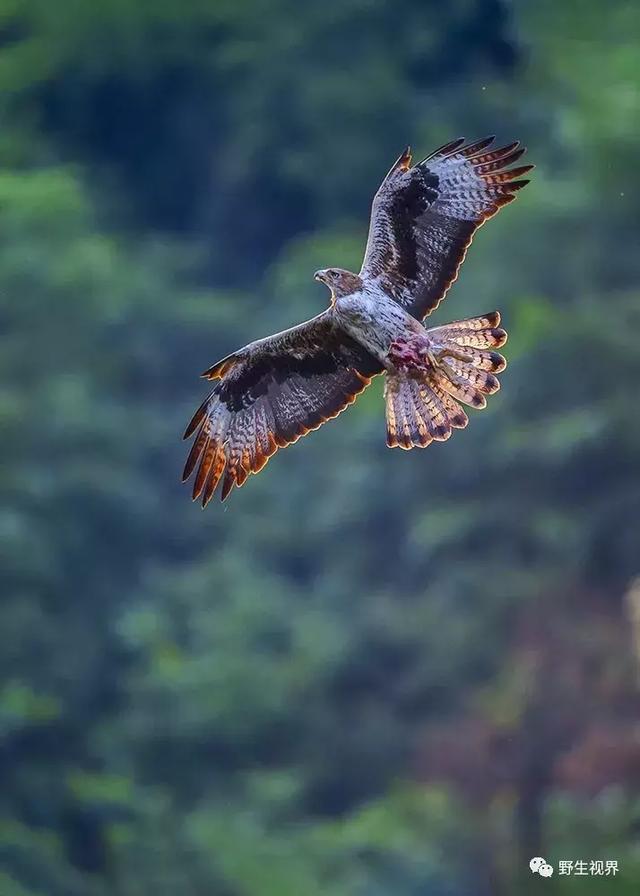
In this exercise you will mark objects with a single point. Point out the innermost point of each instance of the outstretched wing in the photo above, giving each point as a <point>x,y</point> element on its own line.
<point>269,394</point>
<point>423,218</point>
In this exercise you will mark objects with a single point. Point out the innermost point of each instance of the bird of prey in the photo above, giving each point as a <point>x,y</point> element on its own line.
<point>274,390</point>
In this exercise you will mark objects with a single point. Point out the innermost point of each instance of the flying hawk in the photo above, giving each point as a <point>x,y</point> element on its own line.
<point>275,390</point>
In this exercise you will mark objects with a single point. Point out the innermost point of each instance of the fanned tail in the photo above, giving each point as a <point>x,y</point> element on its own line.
<point>418,413</point>
<point>425,407</point>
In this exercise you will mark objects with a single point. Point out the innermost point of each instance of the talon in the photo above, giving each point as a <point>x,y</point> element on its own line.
<point>456,353</point>
<point>433,357</point>
<point>415,353</point>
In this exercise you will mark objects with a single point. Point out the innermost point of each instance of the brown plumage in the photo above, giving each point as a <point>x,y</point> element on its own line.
<point>273,391</point>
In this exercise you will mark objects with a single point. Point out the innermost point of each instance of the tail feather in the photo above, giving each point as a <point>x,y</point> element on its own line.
<point>482,332</point>
<point>407,425</point>
<point>419,412</point>
<point>456,413</point>
<point>479,379</point>
<point>435,414</point>
<point>459,388</point>
<point>424,408</point>
<point>491,361</point>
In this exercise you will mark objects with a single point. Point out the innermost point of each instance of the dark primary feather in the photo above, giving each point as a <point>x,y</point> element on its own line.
<point>269,394</point>
<point>423,218</point>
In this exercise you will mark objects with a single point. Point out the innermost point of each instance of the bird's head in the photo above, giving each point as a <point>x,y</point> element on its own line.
<point>340,282</point>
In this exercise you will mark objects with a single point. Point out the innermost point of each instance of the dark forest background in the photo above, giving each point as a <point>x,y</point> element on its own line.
<point>370,673</point>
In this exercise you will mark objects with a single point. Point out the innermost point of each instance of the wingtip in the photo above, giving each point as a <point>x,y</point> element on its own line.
<point>227,486</point>
<point>523,169</point>
<point>220,368</point>
<point>445,150</point>
<point>404,160</point>
<point>402,163</point>
<point>191,428</point>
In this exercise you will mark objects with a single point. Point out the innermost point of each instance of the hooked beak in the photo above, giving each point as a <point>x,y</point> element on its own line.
<point>320,276</point>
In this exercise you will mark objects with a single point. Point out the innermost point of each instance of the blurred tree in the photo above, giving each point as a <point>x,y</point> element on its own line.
<point>371,674</point>
<point>232,121</point>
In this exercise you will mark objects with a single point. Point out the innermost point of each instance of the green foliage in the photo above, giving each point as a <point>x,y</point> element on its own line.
<point>371,672</point>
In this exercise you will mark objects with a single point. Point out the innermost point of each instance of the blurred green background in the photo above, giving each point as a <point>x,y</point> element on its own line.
<point>370,673</point>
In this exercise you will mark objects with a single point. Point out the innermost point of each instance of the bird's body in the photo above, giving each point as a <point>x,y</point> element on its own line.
<point>374,319</point>
<point>276,389</point>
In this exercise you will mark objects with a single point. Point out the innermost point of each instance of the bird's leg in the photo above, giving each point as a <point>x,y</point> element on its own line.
<point>406,353</point>
<point>418,354</point>
<point>452,351</point>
